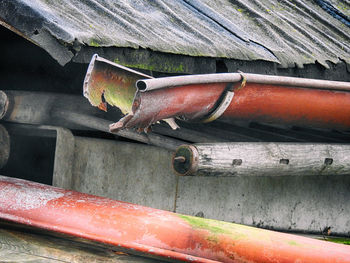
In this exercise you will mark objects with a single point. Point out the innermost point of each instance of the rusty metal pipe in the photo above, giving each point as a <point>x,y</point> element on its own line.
<point>291,105</point>
<point>190,103</point>
<point>255,102</point>
<point>154,232</point>
<point>158,83</point>
<point>237,96</point>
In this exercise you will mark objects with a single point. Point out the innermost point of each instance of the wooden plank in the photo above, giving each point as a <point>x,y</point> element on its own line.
<point>23,245</point>
<point>263,159</point>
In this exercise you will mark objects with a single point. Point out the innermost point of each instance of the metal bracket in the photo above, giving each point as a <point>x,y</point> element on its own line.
<point>226,101</point>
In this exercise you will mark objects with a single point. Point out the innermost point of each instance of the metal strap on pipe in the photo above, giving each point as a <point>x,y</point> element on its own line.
<point>223,103</point>
<point>221,108</point>
<point>158,83</point>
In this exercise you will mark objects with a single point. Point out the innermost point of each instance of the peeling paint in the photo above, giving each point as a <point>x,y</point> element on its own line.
<point>25,198</point>
<point>154,232</point>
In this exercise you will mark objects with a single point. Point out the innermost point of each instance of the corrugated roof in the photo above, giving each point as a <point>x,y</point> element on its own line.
<point>286,32</point>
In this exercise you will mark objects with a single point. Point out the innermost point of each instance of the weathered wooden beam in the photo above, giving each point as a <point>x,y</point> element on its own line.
<point>262,159</point>
<point>29,107</point>
<point>69,111</point>
<point>24,245</point>
<point>102,125</point>
<point>4,146</point>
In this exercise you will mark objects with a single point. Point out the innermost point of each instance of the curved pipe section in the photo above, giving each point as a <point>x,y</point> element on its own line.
<point>154,232</point>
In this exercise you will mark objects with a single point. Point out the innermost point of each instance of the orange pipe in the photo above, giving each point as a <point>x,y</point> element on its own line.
<point>254,102</point>
<point>154,232</point>
<point>288,105</point>
<point>276,99</point>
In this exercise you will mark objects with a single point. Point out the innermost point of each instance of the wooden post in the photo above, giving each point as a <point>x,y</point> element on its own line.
<point>262,159</point>
<point>4,146</point>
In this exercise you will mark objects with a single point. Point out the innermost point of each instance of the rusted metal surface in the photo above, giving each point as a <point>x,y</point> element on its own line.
<point>189,103</point>
<point>4,146</point>
<point>274,99</point>
<point>289,105</point>
<point>254,102</point>
<point>110,83</point>
<point>107,82</point>
<point>153,232</point>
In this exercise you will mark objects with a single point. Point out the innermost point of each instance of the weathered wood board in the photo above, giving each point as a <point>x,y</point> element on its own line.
<point>263,159</point>
<point>24,245</point>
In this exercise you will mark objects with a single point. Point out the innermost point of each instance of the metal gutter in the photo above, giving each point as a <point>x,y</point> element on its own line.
<point>155,233</point>
<point>254,102</point>
<point>234,96</point>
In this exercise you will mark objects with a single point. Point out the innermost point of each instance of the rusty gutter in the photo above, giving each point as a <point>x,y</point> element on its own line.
<point>155,233</point>
<point>205,98</point>
<point>227,96</point>
<point>254,102</point>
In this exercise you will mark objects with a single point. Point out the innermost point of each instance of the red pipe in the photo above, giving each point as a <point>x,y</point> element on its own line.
<point>254,102</point>
<point>155,232</point>
<point>288,105</point>
<point>190,102</point>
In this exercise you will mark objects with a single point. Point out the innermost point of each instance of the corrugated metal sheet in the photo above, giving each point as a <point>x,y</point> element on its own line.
<point>286,32</point>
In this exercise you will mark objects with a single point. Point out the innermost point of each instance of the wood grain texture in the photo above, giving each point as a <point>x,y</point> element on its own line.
<point>16,245</point>
<point>272,159</point>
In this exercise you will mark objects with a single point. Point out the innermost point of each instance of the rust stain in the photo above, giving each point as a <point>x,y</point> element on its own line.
<point>155,232</point>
